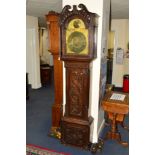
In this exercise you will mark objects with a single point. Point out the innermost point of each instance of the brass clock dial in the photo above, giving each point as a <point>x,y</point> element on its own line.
<point>77,42</point>
<point>77,38</point>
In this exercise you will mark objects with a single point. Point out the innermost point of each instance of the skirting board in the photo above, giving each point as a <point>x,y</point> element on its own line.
<point>36,85</point>
<point>94,138</point>
<point>101,127</point>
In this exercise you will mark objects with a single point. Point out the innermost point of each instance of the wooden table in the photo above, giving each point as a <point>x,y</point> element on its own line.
<point>116,110</point>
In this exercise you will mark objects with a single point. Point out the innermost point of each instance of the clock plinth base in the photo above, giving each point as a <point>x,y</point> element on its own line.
<point>76,132</point>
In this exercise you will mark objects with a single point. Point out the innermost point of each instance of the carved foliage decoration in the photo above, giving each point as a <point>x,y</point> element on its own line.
<point>77,85</point>
<point>83,12</point>
<point>75,135</point>
<point>75,93</point>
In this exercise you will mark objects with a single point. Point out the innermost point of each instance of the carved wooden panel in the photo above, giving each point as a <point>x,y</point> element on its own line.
<point>75,134</point>
<point>77,91</point>
<point>81,12</point>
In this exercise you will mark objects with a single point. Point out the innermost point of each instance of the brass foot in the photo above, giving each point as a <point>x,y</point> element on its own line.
<point>97,147</point>
<point>55,132</point>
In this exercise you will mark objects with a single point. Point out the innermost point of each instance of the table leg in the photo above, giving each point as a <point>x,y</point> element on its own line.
<point>107,121</point>
<point>124,126</point>
<point>114,134</point>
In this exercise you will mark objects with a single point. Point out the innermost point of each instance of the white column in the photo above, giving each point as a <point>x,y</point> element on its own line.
<point>32,52</point>
<point>104,45</point>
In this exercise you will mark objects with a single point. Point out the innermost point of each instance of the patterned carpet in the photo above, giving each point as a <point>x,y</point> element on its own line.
<point>37,150</point>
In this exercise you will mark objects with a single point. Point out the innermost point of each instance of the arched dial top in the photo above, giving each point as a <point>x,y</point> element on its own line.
<point>77,37</point>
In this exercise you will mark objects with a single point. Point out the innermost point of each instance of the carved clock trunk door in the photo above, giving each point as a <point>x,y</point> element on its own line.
<point>54,37</point>
<point>76,123</point>
<point>77,90</point>
<point>78,49</point>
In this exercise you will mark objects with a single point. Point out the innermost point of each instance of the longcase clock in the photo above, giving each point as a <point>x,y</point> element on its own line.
<point>78,48</point>
<point>54,42</point>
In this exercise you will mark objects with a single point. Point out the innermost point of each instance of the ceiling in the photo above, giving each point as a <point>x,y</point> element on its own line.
<point>39,8</point>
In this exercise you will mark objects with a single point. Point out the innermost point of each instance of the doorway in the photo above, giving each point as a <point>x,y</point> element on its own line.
<point>111,39</point>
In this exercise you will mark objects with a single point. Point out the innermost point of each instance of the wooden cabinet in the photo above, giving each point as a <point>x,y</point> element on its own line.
<point>54,42</point>
<point>45,74</point>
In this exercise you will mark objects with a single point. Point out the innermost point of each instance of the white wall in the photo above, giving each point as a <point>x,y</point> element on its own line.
<point>104,45</point>
<point>121,30</point>
<point>46,56</point>
<point>96,7</point>
<point>32,52</point>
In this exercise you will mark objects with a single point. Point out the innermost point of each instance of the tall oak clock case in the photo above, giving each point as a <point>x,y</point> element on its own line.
<point>54,38</point>
<point>78,48</point>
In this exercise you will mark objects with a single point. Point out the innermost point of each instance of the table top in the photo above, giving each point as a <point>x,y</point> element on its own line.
<point>116,106</point>
<point>109,94</point>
